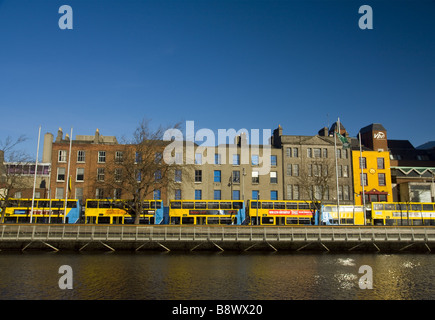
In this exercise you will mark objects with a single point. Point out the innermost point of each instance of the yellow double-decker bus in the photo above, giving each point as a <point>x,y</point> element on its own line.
<point>200,212</point>
<point>117,211</point>
<point>44,211</point>
<point>280,213</point>
<point>403,213</point>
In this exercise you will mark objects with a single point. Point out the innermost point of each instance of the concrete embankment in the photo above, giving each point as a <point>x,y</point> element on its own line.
<point>82,238</point>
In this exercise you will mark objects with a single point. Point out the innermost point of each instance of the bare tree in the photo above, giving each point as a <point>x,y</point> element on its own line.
<point>138,170</point>
<point>11,175</point>
<point>316,180</point>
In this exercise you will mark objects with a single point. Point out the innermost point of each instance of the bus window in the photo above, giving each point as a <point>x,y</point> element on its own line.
<point>226,205</point>
<point>267,205</point>
<point>187,205</point>
<point>237,205</point>
<point>327,209</point>
<point>378,206</point>
<point>213,205</point>
<point>226,221</point>
<point>118,205</point>
<point>200,205</point>
<point>390,206</point>
<point>291,205</point>
<point>304,206</point>
<point>279,205</point>
<point>267,220</point>
<point>103,220</point>
<point>212,220</point>
<point>25,203</point>
<point>176,204</point>
<point>427,207</point>
<point>58,204</point>
<point>90,204</point>
<point>146,205</point>
<point>416,207</point>
<point>402,206</point>
<point>71,204</point>
<point>42,204</point>
<point>292,221</point>
<point>104,204</point>
<point>304,221</point>
<point>253,204</point>
<point>188,220</point>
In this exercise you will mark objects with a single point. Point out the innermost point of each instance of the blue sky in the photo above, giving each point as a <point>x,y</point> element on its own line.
<point>221,63</point>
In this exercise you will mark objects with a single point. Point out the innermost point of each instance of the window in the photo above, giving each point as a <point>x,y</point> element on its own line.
<point>217,195</point>
<point>80,156</point>
<point>381,164</point>
<point>118,174</point>
<point>295,170</point>
<point>363,163</point>
<point>137,157</point>
<point>18,195</point>
<point>236,176</point>
<point>288,152</point>
<point>381,179</point>
<point>217,176</point>
<point>236,195</point>
<point>177,194</point>
<point>198,175</point>
<point>119,156</point>
<point>317,152</point>
<point>156,195</point>
<point>274,195</point>
<point>62,156</point>
<point>325,153</point>
<point>60,174</point>
<point>255,177</point>
<point>100,174</point>
<point>338,153</point>
<point>178,175</point>
<point>339,171</point>
<point>79,194</point>
<point>198,158</point>
<point>345,171</point>
<point>295,152</point>
<point>273,177</point>
<point>309,153</point>
<point>254,160</point>
<point>255,194</point>
<point>289,170</point>
<point>365,182</point>
<point>273,161</point>
<point>346,193</point>
<point>236,159</point>
<point>99,193</point>
<point>217,158</point>
<point>158,157</point>
<point>101,156</point>
<point>80,176</point>
<point>138,176</point>
<point>157,175</point>
<point>59,193</point>
<point>292,192</point>
<point>117,193</point>
<point>198,194</point>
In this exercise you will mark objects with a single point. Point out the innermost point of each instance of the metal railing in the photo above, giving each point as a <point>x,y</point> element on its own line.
<point>212,233</point>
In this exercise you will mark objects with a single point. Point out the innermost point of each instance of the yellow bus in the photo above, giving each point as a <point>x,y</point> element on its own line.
<point>201,212</point>
<point>403,213</point>
<point>117,211</point>
<point>281,212</point>
<point>44,211</point>
<point>348,215</point>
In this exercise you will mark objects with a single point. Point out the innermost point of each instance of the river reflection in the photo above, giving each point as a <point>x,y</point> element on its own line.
<point>212,276</point>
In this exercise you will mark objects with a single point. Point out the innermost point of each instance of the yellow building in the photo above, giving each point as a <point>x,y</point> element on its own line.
<point>375,174</point>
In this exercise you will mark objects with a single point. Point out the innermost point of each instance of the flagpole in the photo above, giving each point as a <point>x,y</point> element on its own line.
<point>362,176</point>
<point>34,177</point>
<point>67,177</point>
<point>336,171</point>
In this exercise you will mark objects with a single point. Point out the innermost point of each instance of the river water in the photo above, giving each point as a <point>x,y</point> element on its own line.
<point>216,276</point>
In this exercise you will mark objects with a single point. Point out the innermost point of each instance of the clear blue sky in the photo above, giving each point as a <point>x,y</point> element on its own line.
<point>223,64</point>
